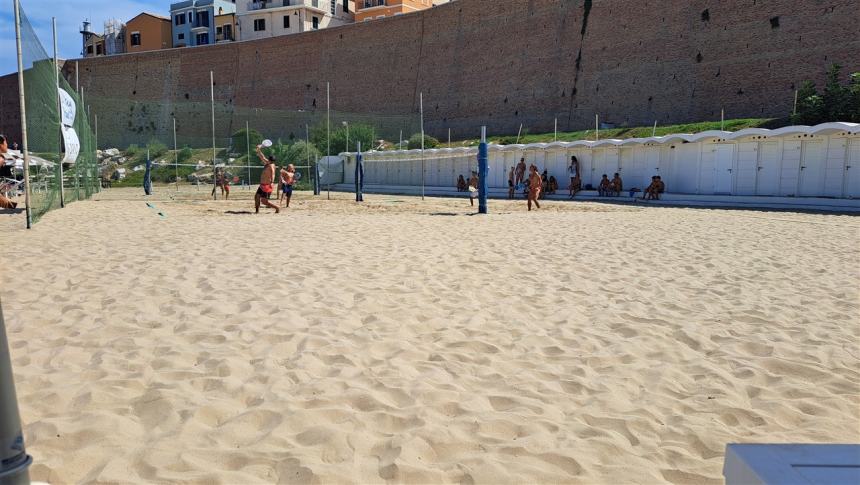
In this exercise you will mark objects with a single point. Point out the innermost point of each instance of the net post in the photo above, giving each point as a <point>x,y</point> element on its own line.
<point>59,111</point>
<point>23,106</point>
<point>421,108</point>
<point>248,147</point>
<point>212,101</point>
<point>96,152</point>
<point>359,174</point>
<point>483,171</point>
<point>175,156</point>
<point>14,459</point>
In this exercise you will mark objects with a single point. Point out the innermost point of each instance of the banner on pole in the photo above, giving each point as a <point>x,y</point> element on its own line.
<point>68,108</point>
<point>73,145</point>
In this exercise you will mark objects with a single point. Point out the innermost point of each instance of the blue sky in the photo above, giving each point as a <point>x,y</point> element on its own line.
<point>70,14</point>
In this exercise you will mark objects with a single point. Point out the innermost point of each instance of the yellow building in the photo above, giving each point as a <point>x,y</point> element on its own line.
<point>147,32</point>
<point>376,9</point>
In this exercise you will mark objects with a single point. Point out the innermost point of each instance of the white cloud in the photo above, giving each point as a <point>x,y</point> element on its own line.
<point>70,14</point>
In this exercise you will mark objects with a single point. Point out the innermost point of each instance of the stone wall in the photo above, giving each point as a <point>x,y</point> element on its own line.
<point>501,63</point>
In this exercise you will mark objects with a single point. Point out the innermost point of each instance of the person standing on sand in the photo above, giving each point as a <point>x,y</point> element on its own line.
<point>511,184</point>
<point>473,187</point>
<point>521,171</point>
<point>288,179</point>
<point>222,182</point>
<point>575,181</point>
<point>535,184</point>
<point>267,178</point>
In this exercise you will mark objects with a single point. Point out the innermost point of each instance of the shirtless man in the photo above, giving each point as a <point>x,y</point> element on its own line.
<point>535,184</point>
<point>616,186</point>
<point>603,188</point>
<point>511,185</point>
<point>521,171</point>
<point>222,182</point>
<point>473,187</point>
<point>267,178</point>
<point>288,179</point>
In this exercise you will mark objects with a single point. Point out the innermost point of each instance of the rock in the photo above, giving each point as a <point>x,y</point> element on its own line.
<point>111,152</point>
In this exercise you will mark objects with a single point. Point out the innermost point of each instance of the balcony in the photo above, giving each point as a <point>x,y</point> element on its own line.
<point>267,4</point>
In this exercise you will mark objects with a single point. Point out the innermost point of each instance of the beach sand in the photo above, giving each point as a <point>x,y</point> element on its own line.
<point>412,341</point>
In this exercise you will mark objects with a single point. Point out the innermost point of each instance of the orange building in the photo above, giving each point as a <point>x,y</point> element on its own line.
<point>147,32</point>
<point>376,9</point>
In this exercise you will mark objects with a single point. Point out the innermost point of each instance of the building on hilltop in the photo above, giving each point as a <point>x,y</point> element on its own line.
<point>196,22</point>
<point>377,9</point>
<point>260,19</point>
<point>147,32</point>
<point>110,43</point>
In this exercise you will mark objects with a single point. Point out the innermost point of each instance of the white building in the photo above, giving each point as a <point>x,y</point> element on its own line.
<point>259,19</point>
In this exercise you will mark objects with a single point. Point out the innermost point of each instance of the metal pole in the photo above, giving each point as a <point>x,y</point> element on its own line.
<point>596,127</point>
<point>347,135</point>
<point>722,119</point>
<point>794,112</point>
<point>212,98</point>
<point>83,103</point>
<point>248,146</point>
<point>483,172</point>
<point>421,107</point>
<point>449,137</point>
<point>14,460</point>
<point>400,144</point>
<point>556,130</point>
<point>328,130</point>
<point>359,174</point>
<point>22,104</point>
<point>59,110</point>
<point>175,156</point>
<point>77,78</point>
<point>519,133</point>
<point>654,130</point>
<point>96,136</point>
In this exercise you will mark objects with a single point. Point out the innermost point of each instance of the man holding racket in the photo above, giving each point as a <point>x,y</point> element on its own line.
<point>267,179</point>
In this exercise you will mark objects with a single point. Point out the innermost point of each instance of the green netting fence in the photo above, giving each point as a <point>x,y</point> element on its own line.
<point>48,178</point>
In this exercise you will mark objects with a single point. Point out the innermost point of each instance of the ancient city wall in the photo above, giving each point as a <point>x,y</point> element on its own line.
<point>502,63</point>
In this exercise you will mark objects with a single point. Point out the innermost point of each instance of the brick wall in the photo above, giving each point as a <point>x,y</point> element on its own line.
<point>505,63</point>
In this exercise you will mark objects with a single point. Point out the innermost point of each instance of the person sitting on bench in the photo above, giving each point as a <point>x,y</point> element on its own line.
<point>461,184</point>
<point>605,185</point>
<point>616,186</point>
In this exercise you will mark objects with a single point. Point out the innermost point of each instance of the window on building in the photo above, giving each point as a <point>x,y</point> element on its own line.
<point>190,17</point>
<point>219,30</point>
<point>179,19</point>
<point>99,50</point>
<point>316,22</point>
<point>202,39</point>
<point>90,49</point>
<point>180,36</point>
<point>202,19</point>
<point>334,7</point>
<point>259,25</point>
<point>345,6</point>
<point>286,21</point>
<point>135,38</point>
<point>228,32</point>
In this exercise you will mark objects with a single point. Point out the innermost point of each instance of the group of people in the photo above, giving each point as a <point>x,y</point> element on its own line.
<point>5,173</point>
<point>612,187</point>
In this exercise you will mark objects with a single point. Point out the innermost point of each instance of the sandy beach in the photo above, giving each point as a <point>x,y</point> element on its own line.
<point>410,341</point>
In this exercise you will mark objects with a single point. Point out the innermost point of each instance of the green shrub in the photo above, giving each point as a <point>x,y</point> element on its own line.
<point>429,141</point>
<point>132,150</point>
<point>156,149</point>
<point>240,141</point>
<point>836,103</point>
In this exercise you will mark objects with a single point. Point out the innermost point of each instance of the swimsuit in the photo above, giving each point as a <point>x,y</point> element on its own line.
<point>265,190</point>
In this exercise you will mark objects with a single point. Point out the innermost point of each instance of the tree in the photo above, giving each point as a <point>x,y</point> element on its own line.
<point>415,141</point>
<point>240,141</point>
<point>358,132</point>
<point>297,153</point>
<point>854,90</point>
<point>836,97</point>
<point>810,106</point>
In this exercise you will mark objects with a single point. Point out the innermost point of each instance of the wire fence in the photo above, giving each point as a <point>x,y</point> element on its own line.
<point>51,181</point>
